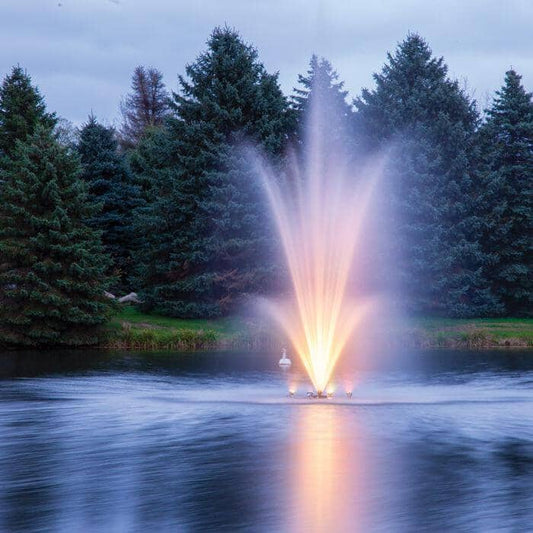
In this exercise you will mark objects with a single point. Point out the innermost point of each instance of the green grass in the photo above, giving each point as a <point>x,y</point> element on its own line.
<point>131,315</point>
<point>475,332</point>
<point>131,329</point>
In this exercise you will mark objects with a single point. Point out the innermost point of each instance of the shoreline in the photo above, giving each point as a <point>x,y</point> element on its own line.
<point>132,330</point>
<point>226,345</point>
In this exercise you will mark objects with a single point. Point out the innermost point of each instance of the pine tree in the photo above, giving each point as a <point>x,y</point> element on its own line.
<point>150,158</point>
<point>321,86</point>
<point>145,107</point>
<point>110,184</point>
<point>507,152</point>
<point>214,240</point>
<point>428,123</point>
<point>21,109</point>
<point>52,265</point>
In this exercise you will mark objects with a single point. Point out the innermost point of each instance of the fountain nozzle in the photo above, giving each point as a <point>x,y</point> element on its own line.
<point>319,395</point>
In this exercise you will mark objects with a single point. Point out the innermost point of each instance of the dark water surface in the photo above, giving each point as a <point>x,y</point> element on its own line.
<point>439,441</point>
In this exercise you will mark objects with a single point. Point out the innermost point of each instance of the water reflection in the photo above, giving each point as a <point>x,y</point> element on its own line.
<point>326,472</point>
<point>171,443</point>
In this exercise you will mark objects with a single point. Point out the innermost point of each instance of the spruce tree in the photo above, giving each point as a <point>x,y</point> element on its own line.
<point>151,157</point>
<point>507,158</point>
<point>110,184</point>
<point>428,124</point>
<point>214,244</point>
<point>321,86</point>
<point>21,109</point>
<point>52,265</point>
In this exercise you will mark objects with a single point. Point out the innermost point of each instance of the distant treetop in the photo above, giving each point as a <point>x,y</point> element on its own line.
<point>145,106</point>
<point>22,108</point>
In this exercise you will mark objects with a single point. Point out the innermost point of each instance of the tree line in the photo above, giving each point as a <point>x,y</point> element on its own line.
<point>167,204</point>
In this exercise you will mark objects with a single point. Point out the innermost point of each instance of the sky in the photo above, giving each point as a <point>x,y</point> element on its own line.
<point>81,53</point>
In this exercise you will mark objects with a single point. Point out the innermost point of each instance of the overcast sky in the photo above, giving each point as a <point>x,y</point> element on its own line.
<point>81,53</point>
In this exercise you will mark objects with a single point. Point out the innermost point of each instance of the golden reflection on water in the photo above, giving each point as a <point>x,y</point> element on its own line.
<point>326,475</point>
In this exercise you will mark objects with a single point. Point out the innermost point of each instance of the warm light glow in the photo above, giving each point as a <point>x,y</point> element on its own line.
<point>319,209</point>
<point>349,384</point>
<point>327,473</point>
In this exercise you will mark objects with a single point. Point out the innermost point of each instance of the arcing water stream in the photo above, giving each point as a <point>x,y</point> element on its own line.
<point>320,206</point>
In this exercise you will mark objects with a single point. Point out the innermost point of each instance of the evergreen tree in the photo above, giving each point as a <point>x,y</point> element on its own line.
<point>213,247</point>
<point>145,107</point>
<point>429,123</point>
<point>149,159</point>
<point>52,265</point>
<point>110,184</point>
<point>322,96</point>
<point>21,109</point>
<point>507,152</point>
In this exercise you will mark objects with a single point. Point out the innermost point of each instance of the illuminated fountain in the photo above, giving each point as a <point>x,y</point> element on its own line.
<point>319,206</point>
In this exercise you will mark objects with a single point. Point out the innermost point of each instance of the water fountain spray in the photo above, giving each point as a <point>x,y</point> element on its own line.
<point>319,206</point>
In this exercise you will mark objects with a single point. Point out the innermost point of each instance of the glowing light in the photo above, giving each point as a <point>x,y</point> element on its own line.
<point>328,470</point>
<point>319,209</point>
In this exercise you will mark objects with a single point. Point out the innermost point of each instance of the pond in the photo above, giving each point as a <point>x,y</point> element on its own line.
<point>430,441</point>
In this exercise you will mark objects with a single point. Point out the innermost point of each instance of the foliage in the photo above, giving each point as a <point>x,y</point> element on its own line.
<point>145,107</point>
<point>52,266</point>
<point>22,108</point>
<point>507,173</point>
<point>427,123</point>
<point>212,246</point>
<point>321,98</point>
<point>150,159</point>
<point>110,184</point>
<point>181,210</point>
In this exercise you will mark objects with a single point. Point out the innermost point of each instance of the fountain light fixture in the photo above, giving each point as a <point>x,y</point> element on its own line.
<point>319,395</point>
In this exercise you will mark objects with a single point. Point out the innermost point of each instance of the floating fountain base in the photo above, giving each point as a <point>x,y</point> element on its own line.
<point>320,395</point>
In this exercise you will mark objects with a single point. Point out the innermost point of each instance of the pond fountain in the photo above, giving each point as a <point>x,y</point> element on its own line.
<point>320,205</point>
<point>105,442</point>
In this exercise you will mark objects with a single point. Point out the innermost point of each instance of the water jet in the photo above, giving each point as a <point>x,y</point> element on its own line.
<point>319,205</point>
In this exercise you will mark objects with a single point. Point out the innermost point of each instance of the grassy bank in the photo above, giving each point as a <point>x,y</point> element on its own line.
<point>426,332</point>
<point>131,329</point>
